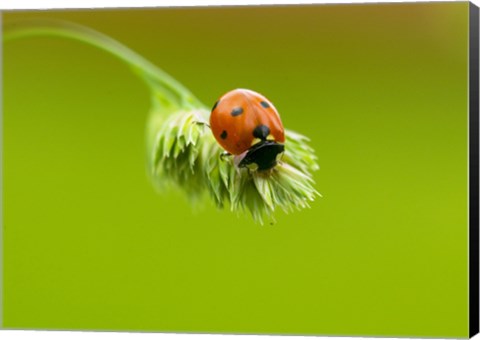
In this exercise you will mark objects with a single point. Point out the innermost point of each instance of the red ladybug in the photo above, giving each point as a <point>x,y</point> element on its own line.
<point>247,125</point>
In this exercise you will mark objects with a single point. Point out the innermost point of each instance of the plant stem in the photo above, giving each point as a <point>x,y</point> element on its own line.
<point>157,80</point>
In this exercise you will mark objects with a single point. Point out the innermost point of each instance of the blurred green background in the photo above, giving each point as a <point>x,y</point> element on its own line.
<point>381,90</point>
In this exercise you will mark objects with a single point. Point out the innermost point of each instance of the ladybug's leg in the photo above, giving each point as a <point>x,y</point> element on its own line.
<point>201,123</point>
<point>224,155</point>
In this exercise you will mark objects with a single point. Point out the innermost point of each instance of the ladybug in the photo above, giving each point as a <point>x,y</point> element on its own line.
<point>247,125</point>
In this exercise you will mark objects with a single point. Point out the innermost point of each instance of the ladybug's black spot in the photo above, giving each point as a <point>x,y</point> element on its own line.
<point>224,134</point>
<point>215,105</point>
<point>265,104</point>
<point>236,111</point>
<point>261,131</point>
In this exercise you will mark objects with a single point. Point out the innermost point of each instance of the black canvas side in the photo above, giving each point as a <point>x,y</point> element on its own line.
<point>473,170</point>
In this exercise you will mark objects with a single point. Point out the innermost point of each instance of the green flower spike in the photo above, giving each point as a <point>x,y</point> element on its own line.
<point>181,150</point>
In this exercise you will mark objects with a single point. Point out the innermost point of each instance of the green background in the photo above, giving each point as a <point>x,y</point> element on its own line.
<point>381,90</point>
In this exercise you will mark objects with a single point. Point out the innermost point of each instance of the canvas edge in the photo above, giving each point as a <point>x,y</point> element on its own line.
<point>1,172</point>
<point>473,170</point>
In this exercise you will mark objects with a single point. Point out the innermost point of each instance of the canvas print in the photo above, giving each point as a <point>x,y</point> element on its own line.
<point>299,169</point>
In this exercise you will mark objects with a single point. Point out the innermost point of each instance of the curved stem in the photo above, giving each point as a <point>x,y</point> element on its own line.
<point>155,78</point>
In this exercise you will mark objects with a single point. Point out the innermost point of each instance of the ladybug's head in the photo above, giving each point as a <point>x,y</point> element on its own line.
<point>261,156</point>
